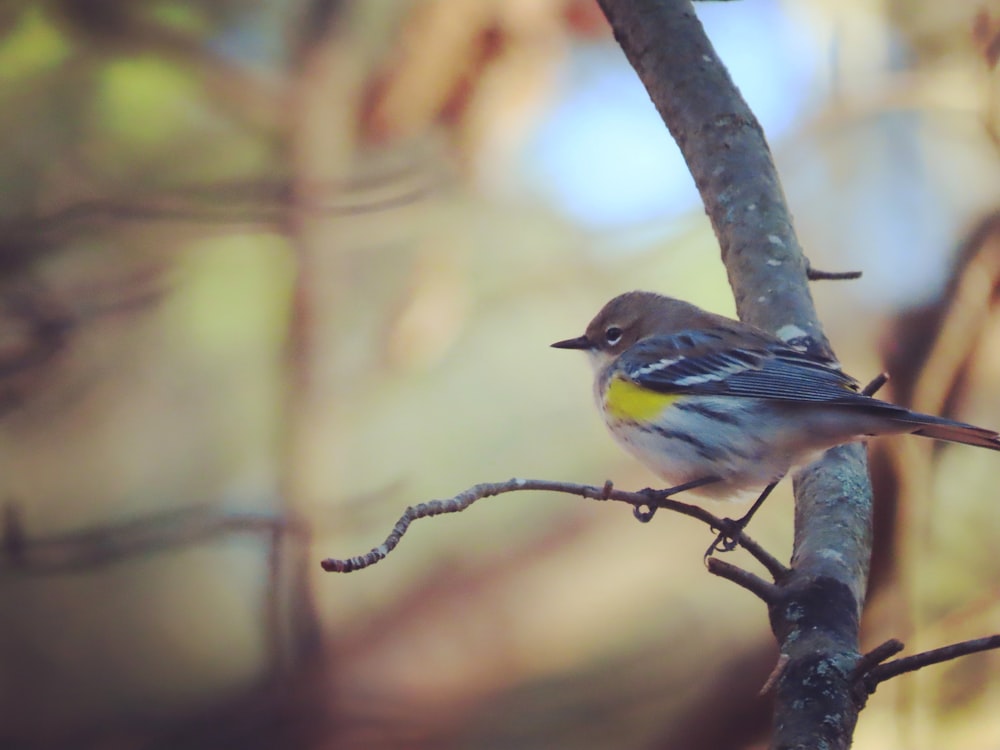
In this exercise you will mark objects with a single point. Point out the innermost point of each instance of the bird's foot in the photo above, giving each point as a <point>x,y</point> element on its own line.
<point>728,538</point>
<point>645,513</point>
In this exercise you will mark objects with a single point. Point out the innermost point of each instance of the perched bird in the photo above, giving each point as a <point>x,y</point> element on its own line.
<point>724,409</point>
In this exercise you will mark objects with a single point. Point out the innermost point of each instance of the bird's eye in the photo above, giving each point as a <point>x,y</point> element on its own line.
<point>613,335</point>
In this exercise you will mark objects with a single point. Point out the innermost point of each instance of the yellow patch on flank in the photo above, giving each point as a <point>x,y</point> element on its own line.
<point>624,399</point>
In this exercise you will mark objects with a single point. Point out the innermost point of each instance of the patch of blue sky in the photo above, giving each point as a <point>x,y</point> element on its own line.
<point>604,158</point>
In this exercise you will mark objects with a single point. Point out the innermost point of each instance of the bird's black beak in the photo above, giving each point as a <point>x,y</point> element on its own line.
<point>580,342</point>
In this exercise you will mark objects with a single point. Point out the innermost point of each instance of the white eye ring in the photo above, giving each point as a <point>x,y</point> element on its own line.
<point>613,335</point>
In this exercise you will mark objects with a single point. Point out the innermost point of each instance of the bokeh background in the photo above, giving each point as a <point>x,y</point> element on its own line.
<point>271,272</point>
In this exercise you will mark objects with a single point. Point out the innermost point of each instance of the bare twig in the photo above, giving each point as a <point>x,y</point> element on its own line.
<point>875,657</point>
<point>876,384</point>
<point>658,499</point>
<point>814,274</point>
<point>744,578</point>
<point>887,671</point>
<point>778,570</point>
<point>461,501</point>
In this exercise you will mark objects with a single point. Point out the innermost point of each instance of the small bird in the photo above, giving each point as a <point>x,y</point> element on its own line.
<point>723,409</point>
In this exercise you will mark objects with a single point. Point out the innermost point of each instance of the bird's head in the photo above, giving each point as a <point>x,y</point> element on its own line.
<point>625,320</point>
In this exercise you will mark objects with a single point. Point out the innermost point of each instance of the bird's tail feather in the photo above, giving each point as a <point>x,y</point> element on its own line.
<point>954,432</point>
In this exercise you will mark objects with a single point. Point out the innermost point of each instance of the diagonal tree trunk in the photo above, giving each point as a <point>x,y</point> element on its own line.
<point>816,612</point>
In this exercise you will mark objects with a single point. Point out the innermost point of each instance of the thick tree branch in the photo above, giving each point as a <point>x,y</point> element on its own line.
<point>816,617</point>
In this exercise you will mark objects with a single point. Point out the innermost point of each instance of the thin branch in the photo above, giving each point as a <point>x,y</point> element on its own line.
<point>814,274</point>
<point>887,671</point>
<point>876,384</point>
<point>876,656</point>
<point>645,498</point>
<point>744,578</point>
<point>778,570</point>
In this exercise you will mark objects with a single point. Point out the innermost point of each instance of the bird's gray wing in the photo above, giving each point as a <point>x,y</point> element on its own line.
<point>711,363</point>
